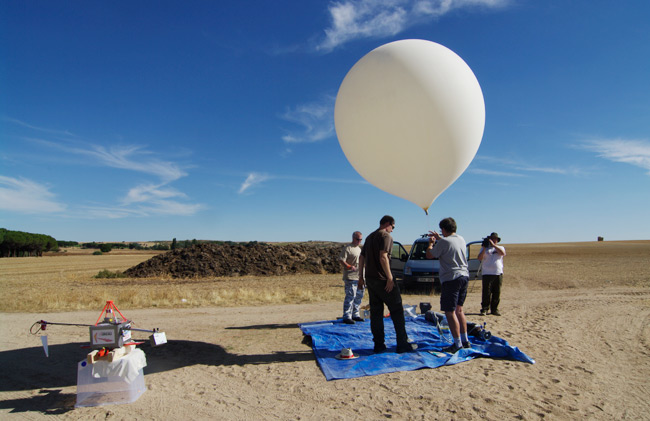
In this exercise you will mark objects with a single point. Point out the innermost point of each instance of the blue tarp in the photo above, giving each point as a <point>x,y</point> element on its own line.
<point>329,337</point>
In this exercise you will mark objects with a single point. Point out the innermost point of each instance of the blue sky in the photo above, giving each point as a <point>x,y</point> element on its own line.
<point>149,120</point>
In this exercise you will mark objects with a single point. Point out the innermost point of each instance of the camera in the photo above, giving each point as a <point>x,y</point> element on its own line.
<point>478,331</point>
<point>486,242</point>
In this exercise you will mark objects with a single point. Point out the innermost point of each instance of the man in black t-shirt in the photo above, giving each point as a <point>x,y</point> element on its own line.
<point>375,259</point>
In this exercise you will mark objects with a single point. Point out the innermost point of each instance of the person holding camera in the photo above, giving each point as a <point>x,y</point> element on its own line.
<point>491,257</point>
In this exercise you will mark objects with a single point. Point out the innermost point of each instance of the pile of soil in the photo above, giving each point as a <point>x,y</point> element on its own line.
<point>211,260</point>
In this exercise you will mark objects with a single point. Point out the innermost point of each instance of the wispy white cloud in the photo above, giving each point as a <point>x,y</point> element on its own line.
<point>146,199</point>
<point>153,207</point>
<point>252,180</point>
<point>27,196</point>
<point>105,212</point>
<point>481,171</point>
<point>325,180</point>
<point>126,157</point>
<point>633,152</point>
<point>316,120</point>
<point>148,192</point>
<point>355,19</point>
<point>156,199</point>
<point>546,170</point>
<point>133,158</point>
<point>36,128</point>
<point>172,207</point>
<point>512,166</point>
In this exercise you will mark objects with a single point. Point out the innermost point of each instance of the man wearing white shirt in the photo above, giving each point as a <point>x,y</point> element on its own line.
<point>349,259</point>
<point>491,258</point>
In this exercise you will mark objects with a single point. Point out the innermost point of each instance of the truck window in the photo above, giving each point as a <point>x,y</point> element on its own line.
<point>398,251</point>
<point>419,251</point>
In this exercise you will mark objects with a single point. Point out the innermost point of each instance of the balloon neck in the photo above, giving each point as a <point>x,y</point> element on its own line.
<point>426,211</point>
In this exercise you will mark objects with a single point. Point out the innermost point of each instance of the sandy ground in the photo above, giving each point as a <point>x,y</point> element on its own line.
<point>590,343</point>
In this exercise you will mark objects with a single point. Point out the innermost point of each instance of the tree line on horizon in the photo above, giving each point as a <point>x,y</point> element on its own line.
<point>25,244</point>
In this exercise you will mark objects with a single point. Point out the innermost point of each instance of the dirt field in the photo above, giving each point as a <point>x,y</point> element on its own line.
<point>581,310</point>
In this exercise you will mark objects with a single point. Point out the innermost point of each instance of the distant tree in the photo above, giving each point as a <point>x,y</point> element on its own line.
<point>18,243</point>
<point>174,245</point>
<point>67,243</point>
<point>105,248</point>
<point>13,243</point>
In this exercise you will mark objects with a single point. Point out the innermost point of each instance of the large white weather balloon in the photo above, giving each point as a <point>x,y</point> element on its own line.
<point>409,117</point>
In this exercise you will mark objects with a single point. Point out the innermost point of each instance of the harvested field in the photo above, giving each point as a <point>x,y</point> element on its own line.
<point>581,310</point>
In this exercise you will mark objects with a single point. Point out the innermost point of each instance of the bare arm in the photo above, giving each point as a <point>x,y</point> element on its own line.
<point>362,281</point>
<point>346,265</point>
<point>481,254</point>
<point>499,249</point>
<point>433,236</point>
<point>384,260</point>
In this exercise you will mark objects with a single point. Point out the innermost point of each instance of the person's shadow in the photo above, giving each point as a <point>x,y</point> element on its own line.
<point>29,368</point>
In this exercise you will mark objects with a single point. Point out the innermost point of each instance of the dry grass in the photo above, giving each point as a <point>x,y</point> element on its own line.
<point>65,282</point>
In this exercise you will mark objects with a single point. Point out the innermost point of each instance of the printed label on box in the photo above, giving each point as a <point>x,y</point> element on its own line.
<point>103,337</point>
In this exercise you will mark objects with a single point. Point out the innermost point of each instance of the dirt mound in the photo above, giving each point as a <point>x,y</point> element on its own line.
<point>207,260</point>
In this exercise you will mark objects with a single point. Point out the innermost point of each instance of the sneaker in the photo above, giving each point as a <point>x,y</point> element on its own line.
<point>348,321</point>
<point>496,313</point>
<point>483,313</point>
<point>379,348</point>
<point>406,348</point>
<point>467,344</point>
<point>452,349</point>
<point>358,319</point>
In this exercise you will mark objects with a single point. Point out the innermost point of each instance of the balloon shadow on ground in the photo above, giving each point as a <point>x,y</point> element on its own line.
<point>30,369</point>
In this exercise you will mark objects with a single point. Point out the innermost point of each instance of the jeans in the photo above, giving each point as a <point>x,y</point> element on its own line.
<point>352,301</point>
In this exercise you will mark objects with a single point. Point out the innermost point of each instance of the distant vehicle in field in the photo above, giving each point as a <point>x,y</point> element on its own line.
<point>413,269</point>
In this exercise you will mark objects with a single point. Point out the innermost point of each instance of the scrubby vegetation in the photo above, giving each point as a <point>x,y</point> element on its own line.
<point>108,274</point>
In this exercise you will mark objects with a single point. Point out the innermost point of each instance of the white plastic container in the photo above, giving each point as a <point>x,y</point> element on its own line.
<point>109,390</point>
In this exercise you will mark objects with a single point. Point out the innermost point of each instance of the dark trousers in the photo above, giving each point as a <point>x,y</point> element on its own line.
<point>491,292</point>
<point>393,300</point>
